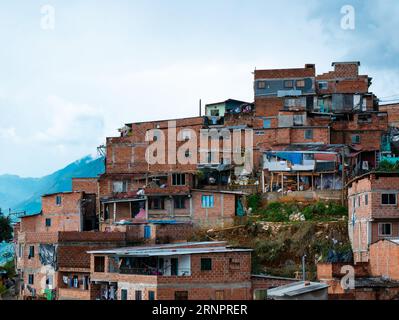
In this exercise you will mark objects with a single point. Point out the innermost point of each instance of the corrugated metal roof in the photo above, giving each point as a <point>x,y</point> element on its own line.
<point>294,289</point>
<point>171,249</point>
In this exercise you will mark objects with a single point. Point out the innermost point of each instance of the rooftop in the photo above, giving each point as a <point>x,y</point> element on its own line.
<point>182,248</point>
<point>295,289</point>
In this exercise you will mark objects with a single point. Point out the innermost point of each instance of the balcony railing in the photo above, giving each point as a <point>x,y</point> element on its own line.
<point>154,272</point>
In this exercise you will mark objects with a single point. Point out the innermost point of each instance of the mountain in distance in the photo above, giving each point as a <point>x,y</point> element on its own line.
<point>24,194</point>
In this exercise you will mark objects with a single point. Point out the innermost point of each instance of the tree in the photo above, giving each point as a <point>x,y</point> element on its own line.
<point>5,229</point>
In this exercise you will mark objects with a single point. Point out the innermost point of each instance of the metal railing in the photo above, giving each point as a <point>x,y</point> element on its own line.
<point>155,272</point>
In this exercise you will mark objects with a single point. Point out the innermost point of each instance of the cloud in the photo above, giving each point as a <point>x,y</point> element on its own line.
<point>71,124</point>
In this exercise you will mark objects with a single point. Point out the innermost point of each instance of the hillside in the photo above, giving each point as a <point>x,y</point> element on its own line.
<point>21,194</point>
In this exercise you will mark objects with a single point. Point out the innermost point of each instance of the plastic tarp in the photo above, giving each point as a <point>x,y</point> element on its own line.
<point>240,209</point>
<point>6,252</point>
<point>48,255</point>
<point>293,157</point>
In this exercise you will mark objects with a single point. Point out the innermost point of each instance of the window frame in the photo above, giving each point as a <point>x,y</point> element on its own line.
<point>180,201</point>
<point>301,81</point>
<point>259,86</point>
<point>286,82</point>
<point>207,204</point>
<point>124,294</point>
<point>99,268</point>
<point>206,264</point>
<point>356,139</point>
<point>306,134</point>
<point>31,253</point>
<point>138,295</point>
<point>389,202</point>
<point>31,279</point>
<point>178,179</point>
<point>380,225</point>
<point>58,200</point>
<point>160,203</point>
<point>48,222</point>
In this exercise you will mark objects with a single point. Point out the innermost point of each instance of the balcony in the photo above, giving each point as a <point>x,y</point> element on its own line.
<point>155,272</point>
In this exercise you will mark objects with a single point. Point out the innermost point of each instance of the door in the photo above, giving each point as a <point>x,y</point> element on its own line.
<point>147,232</point>
<point>174,262</point>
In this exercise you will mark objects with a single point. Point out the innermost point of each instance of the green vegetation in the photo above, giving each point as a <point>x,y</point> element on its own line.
<point>388,166</point>
<point>320,211</point>
<point>254,202</point>
<point>9,267</point>
<point>5,229</point>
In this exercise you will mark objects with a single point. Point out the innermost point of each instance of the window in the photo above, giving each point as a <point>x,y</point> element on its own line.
<point>300,84</point>
<point>366,199</point>
<point>124,294</point>
<point>48,222</point>
<point>355,139</point>
<point>156,203</point>
<point>267,123</point>
<point>358,201</point>
<point>138,295</point>
<point>20,250</point>
<point>151,295</point>
<point>309,134</point>
<point>323,85</point>
<point>385,229</point>
<point>208,202</point>
<point>288,84</point>
<point>181,295</point>
<point>219,295</point>
<point>261,84</point>
<point>31,252</point>
<point>215,113</point>
<point>388,199</point>
<point>99,264</point>
<point>120,186</point>
<point>75,282</point>
<point>31,279</point>
<point>187,154</point>
<point>187,133</point>
<point>178,179</point>
<point>58,200</point>
<point>180,202</point>
<point>206,264</point>
<point>86,282</point>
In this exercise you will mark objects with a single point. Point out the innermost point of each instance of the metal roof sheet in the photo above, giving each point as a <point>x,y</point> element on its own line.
<point>297,288</point>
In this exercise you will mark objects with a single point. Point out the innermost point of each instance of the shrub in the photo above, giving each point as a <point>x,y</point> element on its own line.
<point>254,202</point>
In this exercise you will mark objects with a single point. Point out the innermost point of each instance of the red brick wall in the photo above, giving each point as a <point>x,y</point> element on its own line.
<point>384,259</point>
<point>87,185</point>
<point>222,213</point>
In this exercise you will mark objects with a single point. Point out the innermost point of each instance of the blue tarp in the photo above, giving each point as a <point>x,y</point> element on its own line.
<point>293,157</point>
<point>6,252</point>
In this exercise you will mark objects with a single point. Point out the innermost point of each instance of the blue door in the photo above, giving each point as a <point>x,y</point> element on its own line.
<point>147,232</point>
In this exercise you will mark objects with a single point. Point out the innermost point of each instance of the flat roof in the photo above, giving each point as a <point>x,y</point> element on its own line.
<point>295,289</point>
<point>171,249</point>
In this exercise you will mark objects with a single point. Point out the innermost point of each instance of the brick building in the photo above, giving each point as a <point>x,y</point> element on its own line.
<point>367,285</point>
<point>183,271</point>
<point>52,245</point>
<point>187,271</point>
<point>373,211</point>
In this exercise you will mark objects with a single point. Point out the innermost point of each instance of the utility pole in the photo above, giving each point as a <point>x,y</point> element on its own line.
<point>200,108</point>
<point>304,268</point>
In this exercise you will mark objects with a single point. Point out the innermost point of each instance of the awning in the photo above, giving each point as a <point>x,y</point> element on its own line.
<point>325,157</point>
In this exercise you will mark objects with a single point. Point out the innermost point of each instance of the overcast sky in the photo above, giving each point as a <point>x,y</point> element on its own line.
<point>65,86</point>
